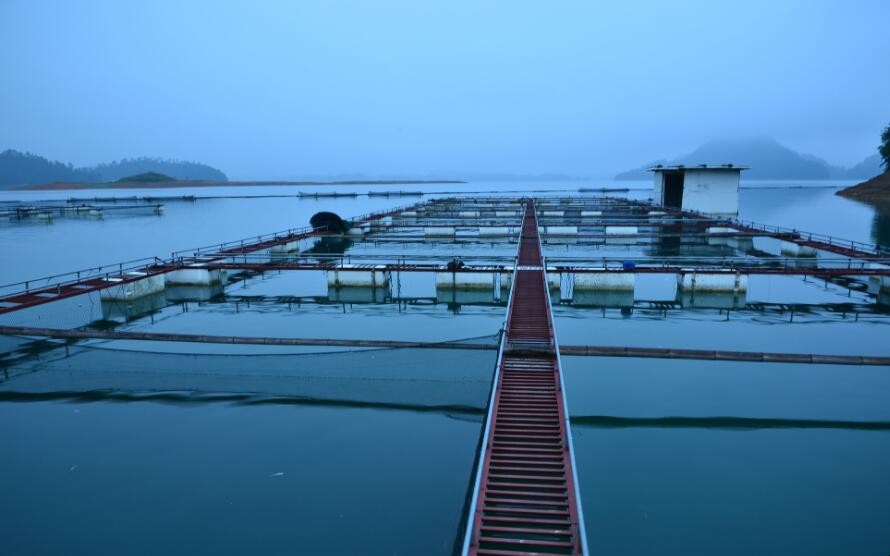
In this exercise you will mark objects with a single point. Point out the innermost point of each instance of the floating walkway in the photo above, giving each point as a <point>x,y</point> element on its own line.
<point>48,210</point>
<point>618,222</point>
<point>137,278</point>
<point>525,499</point>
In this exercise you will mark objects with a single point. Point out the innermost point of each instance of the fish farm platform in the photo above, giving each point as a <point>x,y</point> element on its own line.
<point>532,257</point>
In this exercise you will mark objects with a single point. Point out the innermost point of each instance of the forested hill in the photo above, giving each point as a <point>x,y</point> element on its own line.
<point>18,168</point>
<point>175,168</point>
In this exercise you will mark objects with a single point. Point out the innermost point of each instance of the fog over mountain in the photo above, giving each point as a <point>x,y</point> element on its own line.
<point>767,159</point>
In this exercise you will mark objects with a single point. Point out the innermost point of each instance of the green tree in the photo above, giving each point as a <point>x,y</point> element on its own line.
<point>884,149</point>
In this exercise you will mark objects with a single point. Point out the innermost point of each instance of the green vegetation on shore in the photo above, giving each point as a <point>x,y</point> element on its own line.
<point>146,177</point>
<point>884,149</point>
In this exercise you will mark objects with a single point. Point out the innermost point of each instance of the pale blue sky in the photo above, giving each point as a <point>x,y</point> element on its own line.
<point>304,88</point>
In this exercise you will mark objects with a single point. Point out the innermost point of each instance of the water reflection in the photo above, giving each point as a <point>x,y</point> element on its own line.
<point>331,245</point>
<point>880,226</point>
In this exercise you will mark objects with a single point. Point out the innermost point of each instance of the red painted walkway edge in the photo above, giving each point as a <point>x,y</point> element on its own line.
<point>525,500</point>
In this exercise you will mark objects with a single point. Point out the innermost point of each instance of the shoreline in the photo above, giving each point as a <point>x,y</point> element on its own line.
<point>875,192</point>
<point>63,186</point>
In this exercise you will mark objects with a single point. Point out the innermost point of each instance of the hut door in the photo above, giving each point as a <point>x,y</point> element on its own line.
<point>673,189</point>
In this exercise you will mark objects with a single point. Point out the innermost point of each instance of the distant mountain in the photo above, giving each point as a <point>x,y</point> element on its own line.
<point>868,168</point>
<point>18,168</point>
<point>767,159</point>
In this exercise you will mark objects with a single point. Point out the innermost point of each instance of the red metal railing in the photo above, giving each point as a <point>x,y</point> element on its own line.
<point>22,295</point>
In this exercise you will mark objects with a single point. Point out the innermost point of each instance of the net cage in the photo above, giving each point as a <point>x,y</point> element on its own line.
<point>427,377</point>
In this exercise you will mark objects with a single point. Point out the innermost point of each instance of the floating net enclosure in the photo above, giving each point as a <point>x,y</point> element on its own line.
<point>410,377</point>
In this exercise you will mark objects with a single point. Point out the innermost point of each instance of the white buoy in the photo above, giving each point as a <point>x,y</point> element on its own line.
<point>729,281</point>
<point>133,290</point>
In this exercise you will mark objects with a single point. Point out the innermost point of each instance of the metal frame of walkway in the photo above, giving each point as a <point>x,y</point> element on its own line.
<point>525,498</point>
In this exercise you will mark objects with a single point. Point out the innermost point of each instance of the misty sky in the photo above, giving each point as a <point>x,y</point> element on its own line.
<point>297,88</point>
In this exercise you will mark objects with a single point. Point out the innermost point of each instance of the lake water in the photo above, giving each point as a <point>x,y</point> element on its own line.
<point>661,471</point>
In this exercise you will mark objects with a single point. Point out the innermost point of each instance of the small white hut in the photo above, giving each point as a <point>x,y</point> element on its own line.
<point>703,188</point>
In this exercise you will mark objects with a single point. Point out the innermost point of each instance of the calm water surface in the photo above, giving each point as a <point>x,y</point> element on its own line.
<point>201,478</point>
<point>701,491</point>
